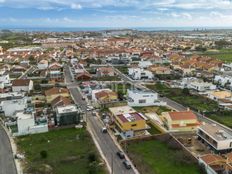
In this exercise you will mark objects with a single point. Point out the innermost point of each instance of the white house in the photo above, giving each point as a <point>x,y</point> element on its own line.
<point>43,64</point>
<point>25,85</point>
<point>144,64</point>
<point>10,107</point>
<point>11,95</point>
<point>226,67</point>
<point>202,86</point>
<point>218,138</point>
<point>222,80</point>
<point>196,84</point>
<point>26,124</point>
<point>143,98</point>
<point>139,74</point>
<point>5,80</point>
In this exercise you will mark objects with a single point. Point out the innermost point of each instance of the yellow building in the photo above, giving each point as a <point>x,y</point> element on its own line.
<point>180,121</point>
<point>53,93</point>
<point>128,122</point>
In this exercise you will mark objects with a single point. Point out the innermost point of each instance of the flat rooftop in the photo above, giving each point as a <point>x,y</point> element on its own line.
<point>121,110</point>
<point>215,131</point>
<point>67,109</point>
<point>12,94</point>
<point>132,117</point>
<point>22,116</point>
<point>135,91</point>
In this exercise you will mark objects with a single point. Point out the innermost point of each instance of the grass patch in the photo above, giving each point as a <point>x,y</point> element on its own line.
<point>154,156</point>
<point>120,88</point>
<point>223,117</point>
<point>123,69</point>
<point>224,55</point>
<point>68,151</point>
<point>153,130</point>
<point>14,128</point>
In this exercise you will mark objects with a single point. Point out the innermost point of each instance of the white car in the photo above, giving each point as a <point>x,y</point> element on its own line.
<point>89,108</point>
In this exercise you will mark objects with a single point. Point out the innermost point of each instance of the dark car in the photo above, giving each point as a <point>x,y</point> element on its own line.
<point>127,164</point>
<point>120,154</point>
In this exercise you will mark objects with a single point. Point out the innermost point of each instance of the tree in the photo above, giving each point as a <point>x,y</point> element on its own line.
<point>120,95</point>
<point>92,157</point>
<point>43,154</point>
<point>186,91</point>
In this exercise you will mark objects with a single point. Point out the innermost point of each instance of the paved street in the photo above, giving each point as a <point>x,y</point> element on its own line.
<point>105,142</point>
<point>30,70</point>
<point>7,165</point>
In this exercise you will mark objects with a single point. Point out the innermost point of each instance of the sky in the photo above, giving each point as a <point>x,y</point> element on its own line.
<point>116,13</point>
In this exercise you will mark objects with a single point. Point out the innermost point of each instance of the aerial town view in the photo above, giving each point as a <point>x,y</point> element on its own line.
<point>116,87</point>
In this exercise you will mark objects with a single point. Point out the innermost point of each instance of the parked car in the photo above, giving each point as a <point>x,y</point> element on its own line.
<point>120,154</point>
<point>104,130</point>
<point>127,164</point>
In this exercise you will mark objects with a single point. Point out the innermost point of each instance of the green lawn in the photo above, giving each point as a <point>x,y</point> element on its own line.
<point>155,157</point>
<point>226,57</point>
<point>123,69</point>
<point>222,117</point>
<point>120,88</point>
<point>153,130</point>
<point>68,152</point>
<point>222,54</point>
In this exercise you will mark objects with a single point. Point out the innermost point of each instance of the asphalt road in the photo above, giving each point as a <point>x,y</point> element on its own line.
<point>7,165</point>
<point>30,70</point>
<point>105,142</point>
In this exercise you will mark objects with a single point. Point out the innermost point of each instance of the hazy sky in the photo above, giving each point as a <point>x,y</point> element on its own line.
<point>115,13</point>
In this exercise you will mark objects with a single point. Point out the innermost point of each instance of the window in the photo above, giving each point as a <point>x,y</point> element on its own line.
<point>142,101</point>
<point>146,95</point>
<point>230,144</point>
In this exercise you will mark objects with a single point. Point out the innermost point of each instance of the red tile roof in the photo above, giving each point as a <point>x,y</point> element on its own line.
<point>211,158</point>
<point>61,101</point>
<point>21,82</point>
<point>55,90</point>
<point>185,115</point>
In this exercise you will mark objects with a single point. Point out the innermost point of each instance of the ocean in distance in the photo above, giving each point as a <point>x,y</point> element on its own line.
<point>82,29</point>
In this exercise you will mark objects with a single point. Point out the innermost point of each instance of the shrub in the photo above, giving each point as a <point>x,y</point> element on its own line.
<point>92,157</point>
<point>43,154</point>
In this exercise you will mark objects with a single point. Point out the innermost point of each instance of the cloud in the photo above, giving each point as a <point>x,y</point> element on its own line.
<point>119,12</point>
<point>76,6</point>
